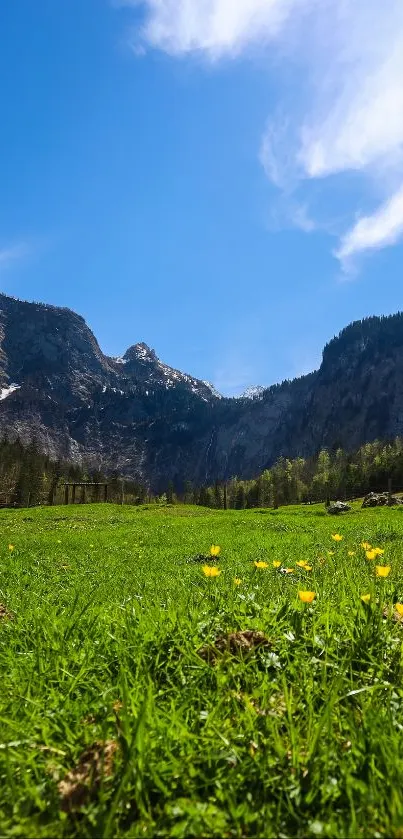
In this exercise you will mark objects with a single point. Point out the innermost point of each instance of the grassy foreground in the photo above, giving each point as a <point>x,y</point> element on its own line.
<point>112,724</point>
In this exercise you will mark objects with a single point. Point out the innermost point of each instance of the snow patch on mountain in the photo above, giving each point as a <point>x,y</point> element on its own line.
<point>253,392</point>
<point>213,389</point>
<point>7,391</point>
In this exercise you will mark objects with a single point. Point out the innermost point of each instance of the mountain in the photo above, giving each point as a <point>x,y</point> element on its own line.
<point>253,392</point>
<point>139,417</point>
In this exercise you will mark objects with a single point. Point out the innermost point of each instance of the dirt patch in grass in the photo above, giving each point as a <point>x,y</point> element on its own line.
<point>83,781</point>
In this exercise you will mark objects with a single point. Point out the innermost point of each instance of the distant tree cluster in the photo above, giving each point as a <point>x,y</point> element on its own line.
<point>29,478</point>
<point>331,474</point>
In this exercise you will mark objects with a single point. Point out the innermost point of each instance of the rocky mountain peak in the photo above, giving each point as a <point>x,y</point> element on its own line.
<point>253,392</point>
<point>136,415</point>
<point>140,352</point>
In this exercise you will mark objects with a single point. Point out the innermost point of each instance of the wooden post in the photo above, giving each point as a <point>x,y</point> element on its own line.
<point>66,493</point>
<point>82,494</point>
<point>389,492</point>
<point>106,493</point>
<point>73,494</point>
<point>123,492</point>
<point>225,497</point>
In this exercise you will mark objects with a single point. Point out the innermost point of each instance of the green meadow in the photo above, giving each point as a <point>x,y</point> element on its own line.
<point>131,704</point>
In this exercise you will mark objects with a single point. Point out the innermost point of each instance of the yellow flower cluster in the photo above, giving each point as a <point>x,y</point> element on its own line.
<point>211,571</point>
<point>371,553</point>
<point>302,563</point>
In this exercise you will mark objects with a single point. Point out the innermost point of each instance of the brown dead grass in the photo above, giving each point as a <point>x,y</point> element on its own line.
<point>4,613</point>
<point>235,643</point>
<point>392,614</point>
<point>83,781</point>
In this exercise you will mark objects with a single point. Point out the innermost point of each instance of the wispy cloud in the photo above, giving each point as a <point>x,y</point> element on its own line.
<point>382,228</point>
<point>12,254</point>
<point>215,27</point>
<point>344,61</point>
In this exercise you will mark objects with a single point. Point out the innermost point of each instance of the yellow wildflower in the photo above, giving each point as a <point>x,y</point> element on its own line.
<point>306,596</point>
<point>365,598</point>
<point>336,537</point>
<point>371,554</point>
<point>378,551</point>
<point>399,608</point>
<point>215,550</point>
<point>382,570</point>
<point>11,547</point>
<point>301,563</point>
<point>307,567</point>
<point>276,564</point>
<point>350,553</point>
<point>261,564</point>
<point>237,581</point>
<point>289,570</point>
<point>211,571</point>
<point>366,546</point>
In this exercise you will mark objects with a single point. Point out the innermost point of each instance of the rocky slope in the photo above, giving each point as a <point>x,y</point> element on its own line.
<point>140,417</point>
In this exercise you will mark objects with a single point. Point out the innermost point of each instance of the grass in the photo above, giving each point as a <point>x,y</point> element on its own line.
<point>300,737</point>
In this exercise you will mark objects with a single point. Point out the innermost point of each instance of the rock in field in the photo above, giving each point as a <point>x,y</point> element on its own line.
<point>380,499</point>
<point>338,507</point>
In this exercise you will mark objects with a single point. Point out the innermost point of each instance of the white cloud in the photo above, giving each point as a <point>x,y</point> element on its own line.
<point>382,228</point>
<point>358,114</point>
<point>344,108</point>
<point>216,27</point>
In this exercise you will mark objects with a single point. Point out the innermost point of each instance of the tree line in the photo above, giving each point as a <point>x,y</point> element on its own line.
<point>30,478</point>
<point>329,475</point>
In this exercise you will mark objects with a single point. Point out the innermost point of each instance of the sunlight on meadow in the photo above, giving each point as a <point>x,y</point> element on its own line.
<point>187,672</point>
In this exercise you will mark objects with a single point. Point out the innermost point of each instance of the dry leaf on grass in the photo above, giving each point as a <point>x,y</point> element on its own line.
<point>85,778</point>
<point>4,613</point>
<point>235,643</point>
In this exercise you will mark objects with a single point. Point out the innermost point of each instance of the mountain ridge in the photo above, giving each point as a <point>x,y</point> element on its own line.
<point>136,415</point>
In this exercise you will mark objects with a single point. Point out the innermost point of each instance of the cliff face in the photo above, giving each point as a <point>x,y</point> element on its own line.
<point>136,415</point>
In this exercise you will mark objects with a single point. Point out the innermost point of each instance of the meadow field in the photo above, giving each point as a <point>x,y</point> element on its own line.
<point>142,696</point>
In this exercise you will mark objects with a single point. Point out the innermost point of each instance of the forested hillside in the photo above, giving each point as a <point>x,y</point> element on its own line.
<point>137,417</point>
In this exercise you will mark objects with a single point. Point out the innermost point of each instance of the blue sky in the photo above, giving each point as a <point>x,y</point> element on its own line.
<point>223,180</point>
